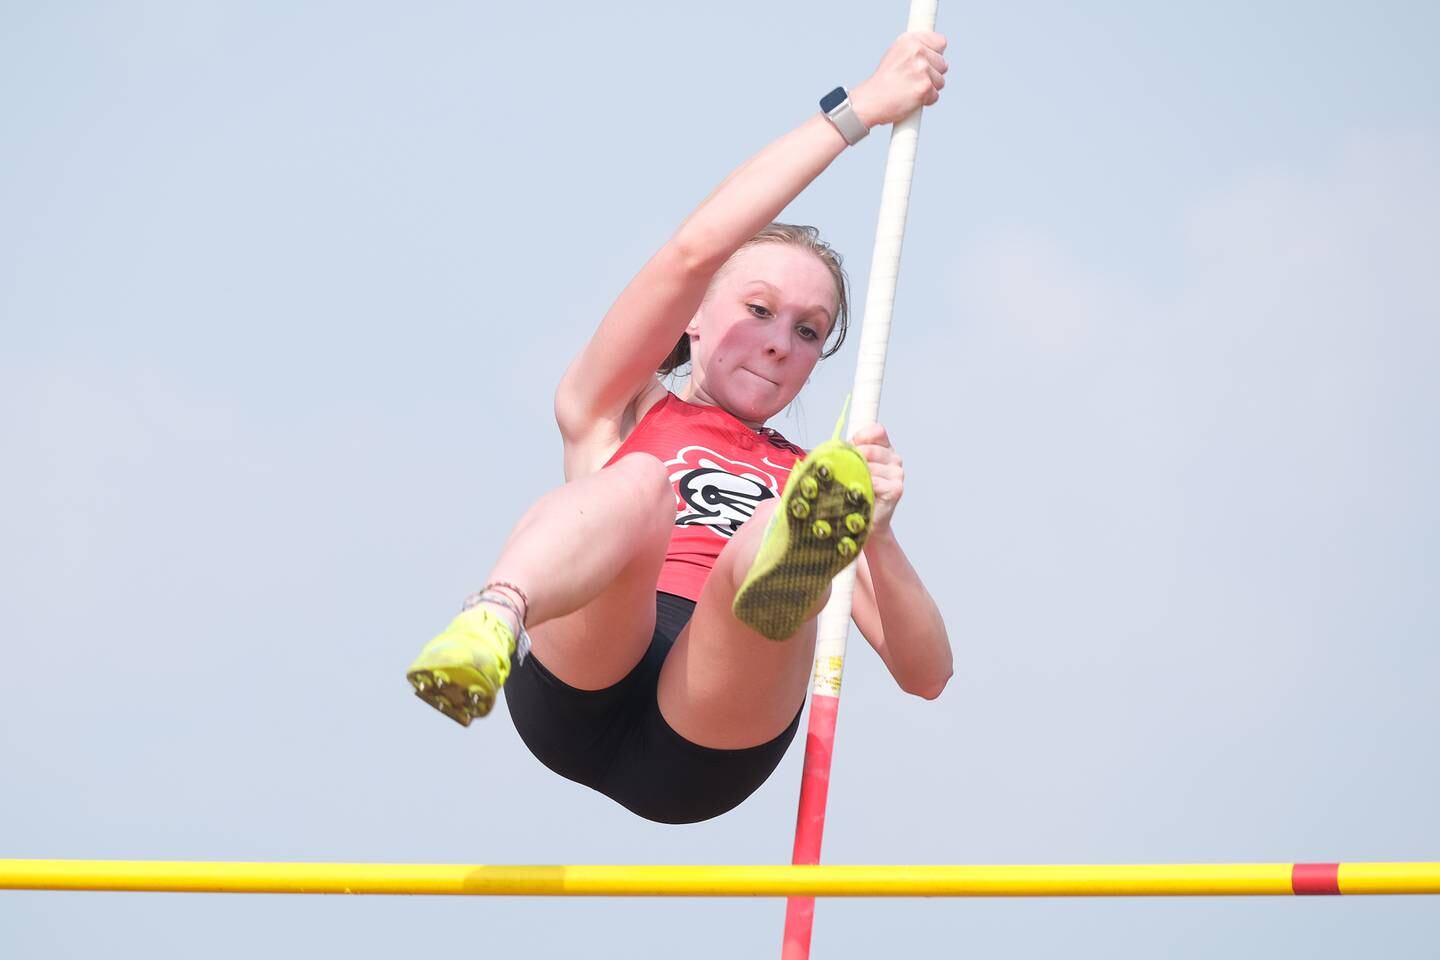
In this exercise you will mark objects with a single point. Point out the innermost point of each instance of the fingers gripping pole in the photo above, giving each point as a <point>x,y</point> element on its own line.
<point>834,623</point>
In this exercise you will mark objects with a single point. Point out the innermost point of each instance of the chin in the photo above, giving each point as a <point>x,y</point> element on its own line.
<point>763,412</point>
<point>757,399</point>
<point>749,407</point>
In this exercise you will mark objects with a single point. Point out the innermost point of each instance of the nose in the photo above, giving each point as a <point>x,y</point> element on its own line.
<point>777,343</point>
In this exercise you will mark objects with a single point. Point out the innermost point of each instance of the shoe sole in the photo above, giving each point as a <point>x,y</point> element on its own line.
<point>461,693</point>
<point>824,517</point>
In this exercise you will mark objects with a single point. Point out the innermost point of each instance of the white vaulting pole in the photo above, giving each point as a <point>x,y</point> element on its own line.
<point>834,623</point>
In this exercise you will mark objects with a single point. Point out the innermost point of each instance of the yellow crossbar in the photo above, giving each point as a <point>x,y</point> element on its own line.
<point>1079,880</point>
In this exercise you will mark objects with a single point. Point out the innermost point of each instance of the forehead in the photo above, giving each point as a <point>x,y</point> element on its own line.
<point>796,273</point>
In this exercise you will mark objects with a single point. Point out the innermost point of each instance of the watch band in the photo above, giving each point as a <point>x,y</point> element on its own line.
<point>836,106</point>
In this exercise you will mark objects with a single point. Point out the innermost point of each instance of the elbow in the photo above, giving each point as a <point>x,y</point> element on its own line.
<point>693,254</point>
<point>931,687</point>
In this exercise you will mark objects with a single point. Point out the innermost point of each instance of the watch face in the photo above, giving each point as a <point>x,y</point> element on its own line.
<point>833,99</point>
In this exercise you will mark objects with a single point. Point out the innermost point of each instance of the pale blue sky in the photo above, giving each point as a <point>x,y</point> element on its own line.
<point>285,289</point>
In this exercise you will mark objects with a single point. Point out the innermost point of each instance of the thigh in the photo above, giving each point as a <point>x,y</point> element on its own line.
<point>600,643</point>
<point>723,685</point>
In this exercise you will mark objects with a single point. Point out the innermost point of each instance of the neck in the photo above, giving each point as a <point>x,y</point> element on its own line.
<point>697,396</point>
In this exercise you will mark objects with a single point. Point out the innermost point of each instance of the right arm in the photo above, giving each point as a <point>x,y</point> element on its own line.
<point>652,312</point>
<point>647,319</point>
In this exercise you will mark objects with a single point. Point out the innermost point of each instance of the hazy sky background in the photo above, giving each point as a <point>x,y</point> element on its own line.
<point>284,293</point>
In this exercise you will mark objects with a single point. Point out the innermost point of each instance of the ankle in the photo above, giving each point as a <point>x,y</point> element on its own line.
<point>508,604</point>
<point>506,594</point>
<point>501,613</point>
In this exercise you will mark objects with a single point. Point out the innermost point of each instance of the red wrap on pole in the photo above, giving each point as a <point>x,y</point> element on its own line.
<point>810,821</point>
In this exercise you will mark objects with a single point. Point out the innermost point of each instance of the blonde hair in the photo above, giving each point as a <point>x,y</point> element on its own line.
<point>795,235</point>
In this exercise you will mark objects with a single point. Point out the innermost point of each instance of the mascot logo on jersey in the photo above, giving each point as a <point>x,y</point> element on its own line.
<point>717,493</point>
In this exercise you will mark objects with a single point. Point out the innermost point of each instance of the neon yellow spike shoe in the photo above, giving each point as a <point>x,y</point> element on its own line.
<point>461,671</point>
<point>817,529</point>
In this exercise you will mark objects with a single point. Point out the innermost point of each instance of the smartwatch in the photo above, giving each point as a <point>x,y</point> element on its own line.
<point>836,106</point>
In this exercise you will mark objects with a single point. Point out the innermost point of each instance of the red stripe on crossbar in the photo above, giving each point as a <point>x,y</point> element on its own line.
<point>1311,879</point>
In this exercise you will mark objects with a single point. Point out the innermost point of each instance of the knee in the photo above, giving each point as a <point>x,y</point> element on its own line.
<point>649,483</point>
<point>753,529</point>
<point>764,508</point>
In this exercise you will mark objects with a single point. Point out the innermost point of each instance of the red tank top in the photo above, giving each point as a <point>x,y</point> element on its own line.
<point>721,470</point>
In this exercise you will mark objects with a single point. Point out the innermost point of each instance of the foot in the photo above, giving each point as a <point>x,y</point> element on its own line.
<point>461,671</point>
<point>818,528</point>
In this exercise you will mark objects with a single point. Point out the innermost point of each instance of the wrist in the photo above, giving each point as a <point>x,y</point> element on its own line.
<point>881,535</point>
<point>839,107</point>
<point>860,103</point>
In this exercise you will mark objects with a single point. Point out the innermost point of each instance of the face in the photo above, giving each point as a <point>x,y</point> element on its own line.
<point>761,330</point>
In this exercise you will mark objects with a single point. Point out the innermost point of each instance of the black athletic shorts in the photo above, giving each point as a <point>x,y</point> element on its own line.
<point>615,740</point>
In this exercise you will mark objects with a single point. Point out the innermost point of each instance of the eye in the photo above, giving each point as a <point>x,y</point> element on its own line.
<point>808,333</point>
<point>758,310</point>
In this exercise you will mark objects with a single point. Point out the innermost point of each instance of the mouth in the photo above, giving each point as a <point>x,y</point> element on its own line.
<point>754,374</point>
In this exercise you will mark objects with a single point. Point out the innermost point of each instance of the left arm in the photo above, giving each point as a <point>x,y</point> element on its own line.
<point>892,608</point>
<point>896,616</point>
